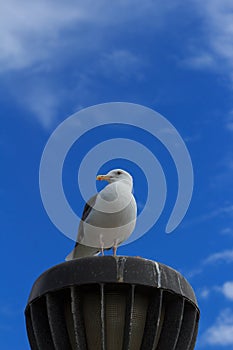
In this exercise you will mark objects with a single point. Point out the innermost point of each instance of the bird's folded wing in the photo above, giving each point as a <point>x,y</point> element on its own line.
<point>86,211</point>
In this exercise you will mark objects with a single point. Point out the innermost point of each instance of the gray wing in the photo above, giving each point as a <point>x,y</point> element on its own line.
<point>81,250</point>
<point>86,211</point>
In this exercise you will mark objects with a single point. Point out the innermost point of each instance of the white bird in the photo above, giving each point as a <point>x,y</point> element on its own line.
<point>108,218</point>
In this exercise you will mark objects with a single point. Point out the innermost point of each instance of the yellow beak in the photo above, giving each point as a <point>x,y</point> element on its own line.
<point>103,177</point>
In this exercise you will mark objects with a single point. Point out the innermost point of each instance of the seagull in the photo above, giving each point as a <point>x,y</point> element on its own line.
<point>108,218</point>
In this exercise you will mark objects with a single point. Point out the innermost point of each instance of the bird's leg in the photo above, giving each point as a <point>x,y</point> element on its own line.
<point>102,244</point>
<point>114,250</point>
<point>115,247</point>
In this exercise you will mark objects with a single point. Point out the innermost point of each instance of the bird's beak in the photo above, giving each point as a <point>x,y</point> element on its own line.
<point>103,177</point>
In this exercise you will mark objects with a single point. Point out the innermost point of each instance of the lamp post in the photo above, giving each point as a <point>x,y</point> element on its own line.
<point>111,303</point>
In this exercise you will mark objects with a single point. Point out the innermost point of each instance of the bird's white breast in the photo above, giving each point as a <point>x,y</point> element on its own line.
<point>113,216</point>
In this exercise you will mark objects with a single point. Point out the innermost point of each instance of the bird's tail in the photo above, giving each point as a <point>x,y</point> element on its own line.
<point>81,251</point>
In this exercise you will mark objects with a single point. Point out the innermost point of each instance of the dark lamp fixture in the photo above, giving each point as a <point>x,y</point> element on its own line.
<point>112,303</point>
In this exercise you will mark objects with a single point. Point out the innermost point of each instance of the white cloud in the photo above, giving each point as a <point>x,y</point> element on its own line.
<point>204,293</point>
<point>230,125</point>
<point>33,31</point>
<point>32,36</point>
<point>195,272</point>
<point>200,61</point>
<point>43,35</point>
<point>225,173</point>
<point>222,211</point>
<point>192,138</point>
<point>30,30</point>
<point>215,49</point>
<point>224,256</point>
<point>227,290</point>
<point>227,231</point>
<point>229,121</point>
<point>221,332</point>
<point>38,37</point>
<point>121,62</point>
<point>43,102</point>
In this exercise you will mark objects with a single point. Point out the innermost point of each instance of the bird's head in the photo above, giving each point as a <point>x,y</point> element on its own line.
<point>116,175</point>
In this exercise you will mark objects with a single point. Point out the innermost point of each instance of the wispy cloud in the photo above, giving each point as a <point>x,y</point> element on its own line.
<point>221,332</point>
<point>227,290</point>
<point>44,38</point>
<point>123,63</point>
<point>229,122</point>
<point>224,173</point>
<point>30,31</point>
<point>41,37</point>
<point>35,35</point>
<point>8,314</point>
<point>230,125</point>
<point>192,138</point>
<point>204,293</point>
<point>33,32</point>
<point>220,212</point>
<point>200,61</point>
<point>223,256</point>
<point>43,102</point>
<point>215,49</point>
<point>224,210</point>
<point>227,231</point>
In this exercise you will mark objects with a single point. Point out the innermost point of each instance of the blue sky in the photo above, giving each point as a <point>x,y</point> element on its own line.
<point>175,57</point>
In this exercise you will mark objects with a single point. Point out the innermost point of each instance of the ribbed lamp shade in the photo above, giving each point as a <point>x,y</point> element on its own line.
<point>112,303</point>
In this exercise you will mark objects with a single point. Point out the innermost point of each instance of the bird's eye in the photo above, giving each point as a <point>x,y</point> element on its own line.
<point>119,172</point>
